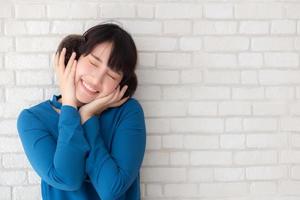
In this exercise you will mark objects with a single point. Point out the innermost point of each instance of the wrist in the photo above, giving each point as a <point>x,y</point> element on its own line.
<point>69,104</point>
<point>84,117</point>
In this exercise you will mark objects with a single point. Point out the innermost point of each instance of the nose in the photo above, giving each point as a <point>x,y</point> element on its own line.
<point>98,77</point>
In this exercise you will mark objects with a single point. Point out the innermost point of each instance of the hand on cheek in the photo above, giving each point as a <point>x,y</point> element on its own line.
<point>66,76</point>
<point>101,103</point>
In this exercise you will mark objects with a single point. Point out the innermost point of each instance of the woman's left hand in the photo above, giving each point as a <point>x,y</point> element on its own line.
<point>99,104</point>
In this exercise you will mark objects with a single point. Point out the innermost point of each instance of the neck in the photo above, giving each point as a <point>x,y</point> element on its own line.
<point>78,103</point>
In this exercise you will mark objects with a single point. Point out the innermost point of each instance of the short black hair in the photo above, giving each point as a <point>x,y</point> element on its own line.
<point>123,56</point>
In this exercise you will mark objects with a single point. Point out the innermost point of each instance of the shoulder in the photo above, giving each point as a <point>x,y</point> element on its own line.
<point>132,105</point>
<point>28,115</point>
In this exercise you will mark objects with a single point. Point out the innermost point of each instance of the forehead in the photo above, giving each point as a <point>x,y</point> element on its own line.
<point>101,52</point>
<point>102,49</point>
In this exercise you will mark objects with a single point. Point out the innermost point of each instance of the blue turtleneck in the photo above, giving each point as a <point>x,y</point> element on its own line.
<point>99,159</point>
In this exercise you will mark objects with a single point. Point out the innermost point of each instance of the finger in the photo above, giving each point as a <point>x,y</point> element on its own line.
<point>70,63</point>
<point>55,60</point>
<point>119,102</point>
<point>125,87</point>
<point>72,74</point>
<point>61,61</point>
<point>116,93</point>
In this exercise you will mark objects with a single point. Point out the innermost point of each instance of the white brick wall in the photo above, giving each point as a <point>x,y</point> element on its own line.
<point>219,82</point>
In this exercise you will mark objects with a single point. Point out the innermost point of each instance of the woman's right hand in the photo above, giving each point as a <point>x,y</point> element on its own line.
<point>66,77</point>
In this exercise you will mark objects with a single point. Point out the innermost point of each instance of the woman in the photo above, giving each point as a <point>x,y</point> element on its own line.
<point>88,143</point>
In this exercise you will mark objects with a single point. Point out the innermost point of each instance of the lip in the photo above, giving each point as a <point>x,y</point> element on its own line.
<point>86,89</point>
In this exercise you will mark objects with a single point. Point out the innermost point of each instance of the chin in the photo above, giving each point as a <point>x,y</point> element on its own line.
<point>83,99</point>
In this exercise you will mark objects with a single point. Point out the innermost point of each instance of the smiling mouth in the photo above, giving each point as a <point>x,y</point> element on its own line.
<point>88,88</point>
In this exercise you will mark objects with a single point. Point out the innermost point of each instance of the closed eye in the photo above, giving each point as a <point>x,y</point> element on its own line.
<point>97,66</point>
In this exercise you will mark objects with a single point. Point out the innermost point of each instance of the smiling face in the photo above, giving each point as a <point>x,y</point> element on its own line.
<point>93,77</point>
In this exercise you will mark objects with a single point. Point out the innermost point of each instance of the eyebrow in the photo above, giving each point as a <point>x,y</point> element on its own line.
<point>99,59</point>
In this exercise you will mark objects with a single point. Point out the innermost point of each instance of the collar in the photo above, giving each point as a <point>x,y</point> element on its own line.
<point>54,101</point>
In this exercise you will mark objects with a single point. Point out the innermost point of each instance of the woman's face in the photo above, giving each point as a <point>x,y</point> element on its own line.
<point>92,71</point>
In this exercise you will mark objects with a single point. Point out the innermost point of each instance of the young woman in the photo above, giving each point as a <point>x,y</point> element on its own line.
<point>88,143</point>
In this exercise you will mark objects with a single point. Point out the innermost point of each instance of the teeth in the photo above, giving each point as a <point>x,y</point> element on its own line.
<point>88,87</point>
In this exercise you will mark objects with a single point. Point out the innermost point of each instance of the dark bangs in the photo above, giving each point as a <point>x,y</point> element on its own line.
<point>123,56</point>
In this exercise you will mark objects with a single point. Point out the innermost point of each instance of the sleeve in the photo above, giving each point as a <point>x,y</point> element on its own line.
<point>113,173</point>
<point>59,162</point>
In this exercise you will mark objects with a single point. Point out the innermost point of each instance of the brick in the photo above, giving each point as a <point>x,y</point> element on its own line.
<point>10,145</point>
<point>26,61</point>
<point>12,177</point>
<point>37,44</point>
<point>172,141</point>
<point>176,92</point>
<point>286,60</point>
<point>253,60</point>
<point>145,11</point>
<point>210,92</point>
<point>177,27</point>
<point>144,43</point>
<point>66,27</point>
<point>202,108</point>
<point>149,27</point>
<point>117,10</point>
<point>234,108</point>
<point>196,125</point>
<point>218,11</point>
<point>43,77</point>
<point>75,10</point>
<point>164,108</point>
<point>272,43</point>
<point>255,157</point>
<point>6,44</point>
<point>207,27</point>
<point>191,76</point>
<point>200,174</point>
<point>6,10</point>
<point>232,141</point>
<point>223,189</point>
<point>158,125</point>
<point>148,92</point>
<point>158,76</point>
<point>25,94</point>
<point>165,174</point>
<point>226,43</point>
<point>266,172</point>
<point>201,142</point>
<point>30,11</point>
<point>27,192</point>
<point>283,27</point>
<point>190,43</point>
<point>180,190</point>
<point>199,158</point>
<point>153,142</point>
<point>15,161</point>
<point>222,77</point>
<point>215,60</point>
<point>254,27</point>
<point>253,93</point>
<point>173,60</point>
<point>179,158</point>
<point>269,108</point>
<point>229,174</point>
<point>178,11</point>
<point>255,10</point>
<point>155,158</point>
<point>260,124</point>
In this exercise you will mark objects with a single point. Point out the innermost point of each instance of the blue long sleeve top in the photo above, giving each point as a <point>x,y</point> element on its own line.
<point>99,159</point>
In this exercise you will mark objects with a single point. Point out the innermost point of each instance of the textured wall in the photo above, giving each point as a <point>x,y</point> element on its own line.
<point>218,81</point>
